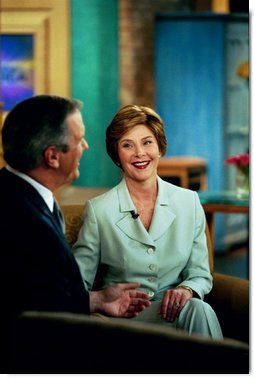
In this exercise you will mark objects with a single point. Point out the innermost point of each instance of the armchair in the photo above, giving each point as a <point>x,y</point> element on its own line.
<point>65,343</point>
<point>229,296</point>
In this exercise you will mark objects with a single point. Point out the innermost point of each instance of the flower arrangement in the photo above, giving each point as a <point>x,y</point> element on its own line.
<point>241,162</point>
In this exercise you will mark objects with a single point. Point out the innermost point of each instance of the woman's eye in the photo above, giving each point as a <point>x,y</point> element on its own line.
<point>126,145</point>
<point>148,142</point>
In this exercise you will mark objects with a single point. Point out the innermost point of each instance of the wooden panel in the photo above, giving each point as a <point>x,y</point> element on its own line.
<point>48,22</point>
<point>190,170</point>
<point>1,149</point>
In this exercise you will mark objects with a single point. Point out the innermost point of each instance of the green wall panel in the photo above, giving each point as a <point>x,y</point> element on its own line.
<point>94,80</point>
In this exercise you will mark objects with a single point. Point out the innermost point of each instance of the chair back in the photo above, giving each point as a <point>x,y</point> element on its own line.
<point>73,220</point>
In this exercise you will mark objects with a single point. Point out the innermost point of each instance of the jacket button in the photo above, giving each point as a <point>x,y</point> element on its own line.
<point>152,267</point>
<point>150,293</point>
<point>150,250</point>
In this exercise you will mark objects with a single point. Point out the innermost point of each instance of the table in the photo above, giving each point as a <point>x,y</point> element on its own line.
<point>191,171</point>
<point>221,201</point>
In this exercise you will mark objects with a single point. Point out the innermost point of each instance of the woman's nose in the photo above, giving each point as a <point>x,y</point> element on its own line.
<point>139,152</point>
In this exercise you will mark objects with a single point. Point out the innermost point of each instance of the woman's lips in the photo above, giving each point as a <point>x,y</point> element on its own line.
<point>141,165</point>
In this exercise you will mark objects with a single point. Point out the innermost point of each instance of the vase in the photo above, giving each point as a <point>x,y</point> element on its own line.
<point>242,185</point>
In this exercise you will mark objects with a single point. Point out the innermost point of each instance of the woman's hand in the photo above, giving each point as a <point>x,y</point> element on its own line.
<point>173,302</point>
<point>120,300</point>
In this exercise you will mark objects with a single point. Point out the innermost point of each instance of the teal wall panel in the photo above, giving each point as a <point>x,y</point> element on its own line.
<point>94,80</point>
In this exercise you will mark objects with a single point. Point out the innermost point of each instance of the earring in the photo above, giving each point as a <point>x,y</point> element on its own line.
<point>159,156</point>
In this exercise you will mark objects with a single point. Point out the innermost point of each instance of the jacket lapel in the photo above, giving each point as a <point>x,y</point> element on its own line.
<point>163,216</point>
<point>46,214</point>
<point>24,193</point>
<point>133,228</point>
<point>34,200</point>
<point>162,219</point>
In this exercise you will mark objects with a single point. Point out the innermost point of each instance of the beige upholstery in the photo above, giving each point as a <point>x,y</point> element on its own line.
<point>73,221</point>
<point>229,296</point>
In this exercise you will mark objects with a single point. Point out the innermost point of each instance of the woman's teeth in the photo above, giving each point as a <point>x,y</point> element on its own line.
<point>141,164</point>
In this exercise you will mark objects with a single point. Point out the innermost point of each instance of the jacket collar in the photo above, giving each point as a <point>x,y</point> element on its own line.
<point>25,192</point>
<point>162,218</point>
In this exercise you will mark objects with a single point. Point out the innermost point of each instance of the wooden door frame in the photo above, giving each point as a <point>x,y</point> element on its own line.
<point>48,21</point>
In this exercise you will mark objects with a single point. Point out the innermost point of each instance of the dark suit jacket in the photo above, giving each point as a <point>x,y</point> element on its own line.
<point>37,268</point>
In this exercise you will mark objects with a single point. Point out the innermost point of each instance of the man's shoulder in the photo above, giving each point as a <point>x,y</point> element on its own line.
<point>8,187</point>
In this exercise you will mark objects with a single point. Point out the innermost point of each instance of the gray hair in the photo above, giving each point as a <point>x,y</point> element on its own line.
<point>33,125</point>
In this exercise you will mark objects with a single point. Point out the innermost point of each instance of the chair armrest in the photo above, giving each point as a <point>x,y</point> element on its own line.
<point>64,343</point>
<point>230,300</point>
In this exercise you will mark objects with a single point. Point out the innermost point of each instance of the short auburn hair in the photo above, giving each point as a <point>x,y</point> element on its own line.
<point>128,117</point>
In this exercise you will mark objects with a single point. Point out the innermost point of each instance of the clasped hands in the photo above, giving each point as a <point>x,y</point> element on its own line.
<point>119,300</point>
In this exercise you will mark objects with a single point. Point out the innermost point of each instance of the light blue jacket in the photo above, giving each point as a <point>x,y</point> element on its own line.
<point>173,252</point>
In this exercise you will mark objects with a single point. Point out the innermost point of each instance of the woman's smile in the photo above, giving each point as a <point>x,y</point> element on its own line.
<point>139,153</point>
<point>141,165</point>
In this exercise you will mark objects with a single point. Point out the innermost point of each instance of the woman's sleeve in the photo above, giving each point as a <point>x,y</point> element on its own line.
<point>197,273</point>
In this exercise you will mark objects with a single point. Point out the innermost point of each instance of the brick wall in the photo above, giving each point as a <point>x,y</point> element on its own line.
<point>136,40</point>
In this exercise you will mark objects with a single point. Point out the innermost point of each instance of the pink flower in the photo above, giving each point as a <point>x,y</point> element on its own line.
<point>239,160</point>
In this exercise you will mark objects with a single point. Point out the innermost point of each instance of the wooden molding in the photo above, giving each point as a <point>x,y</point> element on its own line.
<point>220,6</point>
<point>48,21</point>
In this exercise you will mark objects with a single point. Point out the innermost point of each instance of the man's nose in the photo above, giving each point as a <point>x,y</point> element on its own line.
<point>85,145</point>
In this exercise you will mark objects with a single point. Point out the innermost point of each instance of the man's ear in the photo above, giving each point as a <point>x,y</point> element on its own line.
<point>51,156</point>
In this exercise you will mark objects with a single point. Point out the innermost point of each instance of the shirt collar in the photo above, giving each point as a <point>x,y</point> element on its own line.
<point>45,193</point>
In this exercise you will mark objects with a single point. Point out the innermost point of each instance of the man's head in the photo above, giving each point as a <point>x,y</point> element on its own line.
<point>44,132</point>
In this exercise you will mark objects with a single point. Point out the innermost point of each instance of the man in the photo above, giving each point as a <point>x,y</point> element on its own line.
<point>43,141</point>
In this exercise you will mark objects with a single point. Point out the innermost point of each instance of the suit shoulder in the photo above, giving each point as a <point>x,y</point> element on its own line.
<point>176,190</point>
<point>104,198</point>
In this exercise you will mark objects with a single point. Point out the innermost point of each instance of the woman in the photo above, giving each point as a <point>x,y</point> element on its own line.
<point>149,231</point>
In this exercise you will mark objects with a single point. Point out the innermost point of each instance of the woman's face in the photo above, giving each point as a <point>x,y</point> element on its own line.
<point>138,152</point>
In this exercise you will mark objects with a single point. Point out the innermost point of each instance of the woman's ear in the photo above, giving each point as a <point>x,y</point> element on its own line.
<point>51,156</point>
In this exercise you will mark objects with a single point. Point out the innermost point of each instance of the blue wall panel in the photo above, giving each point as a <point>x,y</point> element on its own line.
<point>202,100</point>
<point>189,90</point>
